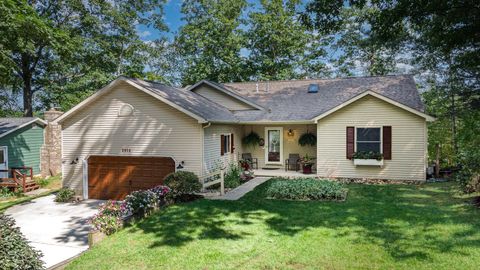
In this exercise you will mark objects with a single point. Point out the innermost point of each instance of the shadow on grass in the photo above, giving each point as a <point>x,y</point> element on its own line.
<point>406,221</point>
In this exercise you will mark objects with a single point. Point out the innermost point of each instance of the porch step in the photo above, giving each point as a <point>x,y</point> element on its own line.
<point>32,185</point>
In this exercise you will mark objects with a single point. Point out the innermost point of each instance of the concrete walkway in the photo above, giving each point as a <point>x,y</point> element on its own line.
<point>241,190</point>
<point>58,230</point>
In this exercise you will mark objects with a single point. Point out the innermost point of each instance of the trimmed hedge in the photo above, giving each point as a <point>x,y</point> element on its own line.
<point>15,251</point>
<point>182,184</point>
<point>306,189</point>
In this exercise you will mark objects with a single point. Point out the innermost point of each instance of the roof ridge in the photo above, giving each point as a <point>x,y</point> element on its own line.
<point>321,79</point>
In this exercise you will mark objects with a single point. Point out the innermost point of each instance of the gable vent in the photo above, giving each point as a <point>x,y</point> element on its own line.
<point>313,88</point>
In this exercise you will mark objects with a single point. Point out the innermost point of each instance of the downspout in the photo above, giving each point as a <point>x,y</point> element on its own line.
<point>208,124</point>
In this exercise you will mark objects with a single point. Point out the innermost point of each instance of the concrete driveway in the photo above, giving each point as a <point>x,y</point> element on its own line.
<point>58,230</point>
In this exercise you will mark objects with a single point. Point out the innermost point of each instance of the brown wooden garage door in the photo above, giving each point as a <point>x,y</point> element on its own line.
<point>114,177</point>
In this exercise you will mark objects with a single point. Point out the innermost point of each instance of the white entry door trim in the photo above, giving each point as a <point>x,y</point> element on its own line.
<point>274,144</point>
<point>3,161</point>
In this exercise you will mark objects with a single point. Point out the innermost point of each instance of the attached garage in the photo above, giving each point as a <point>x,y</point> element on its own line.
<point>114,177</point>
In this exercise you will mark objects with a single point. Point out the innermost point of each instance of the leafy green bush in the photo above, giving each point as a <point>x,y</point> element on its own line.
<point>141,201</point>
<point>306,189</point>
<point>64,195</point>
<point>368,155</point>
<point>232,176</point>
<point>15,251</point>
<point>5,192</point>
<point>182,183</point>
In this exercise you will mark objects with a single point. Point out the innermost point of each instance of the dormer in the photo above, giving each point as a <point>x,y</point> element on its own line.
<point>223,96</point>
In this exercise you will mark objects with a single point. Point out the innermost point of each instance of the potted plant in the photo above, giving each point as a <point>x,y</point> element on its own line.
<point>307,163</point>
<point>307,139</point>
<point>252,139</point>
<point>367,158</point>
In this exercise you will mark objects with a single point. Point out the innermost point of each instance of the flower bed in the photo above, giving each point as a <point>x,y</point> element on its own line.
<point>304,189</point>
<point>112,214</point>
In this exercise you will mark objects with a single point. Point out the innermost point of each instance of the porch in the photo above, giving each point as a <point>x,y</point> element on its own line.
<point>280,149</point>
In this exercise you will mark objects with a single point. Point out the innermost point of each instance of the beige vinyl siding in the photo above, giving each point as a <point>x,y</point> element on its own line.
<point>221,98</point>
<point>155,129</point>
<point>408,141</point>
<point>290,144</point>
<point>212,155</point>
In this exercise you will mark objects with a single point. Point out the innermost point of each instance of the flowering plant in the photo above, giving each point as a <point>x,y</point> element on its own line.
<point>145,200</point>
<point>109,217</point>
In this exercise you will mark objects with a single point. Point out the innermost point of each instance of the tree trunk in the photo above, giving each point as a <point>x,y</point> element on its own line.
<point>27,87</point>
<point>454,125</point>
<point>437,161</point>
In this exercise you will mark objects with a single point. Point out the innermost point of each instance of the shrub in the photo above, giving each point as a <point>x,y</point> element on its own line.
<point>5,192</point>
<point>64,195</point>
<point>306,189</point>
<point>109,217</point>
<point>232,176</point>
<point>15,251</point>
<point>182,183</point>
<point>140,201</point>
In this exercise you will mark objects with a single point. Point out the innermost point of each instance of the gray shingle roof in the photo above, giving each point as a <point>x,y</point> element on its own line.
<point>290,100</point>
<point>8,124</point>
<point>189,101</point>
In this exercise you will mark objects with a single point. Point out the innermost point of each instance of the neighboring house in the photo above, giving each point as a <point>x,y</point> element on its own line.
<point>133,131</point>
<point>20,143</point>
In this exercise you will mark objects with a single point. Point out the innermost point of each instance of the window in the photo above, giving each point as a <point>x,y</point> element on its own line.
<point>368,139</point>
<point>226,143</point>
<point>125,110</point>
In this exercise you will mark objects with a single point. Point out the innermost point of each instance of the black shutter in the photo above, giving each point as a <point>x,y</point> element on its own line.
<point>222,145</point>
<point>350,142</point>
<point>387,142</point>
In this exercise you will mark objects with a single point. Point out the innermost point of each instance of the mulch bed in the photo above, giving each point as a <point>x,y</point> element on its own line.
<point>476,201</point>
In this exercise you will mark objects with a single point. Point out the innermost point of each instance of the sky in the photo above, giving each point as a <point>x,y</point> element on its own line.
<point>172,19</point>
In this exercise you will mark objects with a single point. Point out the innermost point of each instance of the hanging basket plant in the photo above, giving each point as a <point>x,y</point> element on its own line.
<point>251,139</point>
<point>307,139</point>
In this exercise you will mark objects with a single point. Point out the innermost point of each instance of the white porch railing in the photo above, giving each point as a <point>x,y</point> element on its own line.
<point>214,178</point>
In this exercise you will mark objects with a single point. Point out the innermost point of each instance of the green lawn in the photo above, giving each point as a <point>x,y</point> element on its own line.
<point>53,184</point>
<point>378,227</point>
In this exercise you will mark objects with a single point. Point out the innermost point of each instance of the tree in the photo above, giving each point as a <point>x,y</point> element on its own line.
<point>57,50</point>
<point>280,46</point>
<point>360,50</point>
<point>443,38</point>
<point>211,40</point>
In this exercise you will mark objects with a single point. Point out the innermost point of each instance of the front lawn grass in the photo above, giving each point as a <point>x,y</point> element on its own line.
<point>52,184</point>
<point>377,227</point>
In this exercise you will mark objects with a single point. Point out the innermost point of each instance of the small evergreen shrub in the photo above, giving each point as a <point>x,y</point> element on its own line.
<point>182,183</point>
<point>16,253</point>
<point>232,176</point>
<point>306,189</point>
<point>64,195</point>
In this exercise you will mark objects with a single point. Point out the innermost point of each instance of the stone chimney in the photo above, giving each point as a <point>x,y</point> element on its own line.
<point>51,151</point>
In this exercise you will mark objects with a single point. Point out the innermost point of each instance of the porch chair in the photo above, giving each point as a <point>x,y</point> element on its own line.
<point>251,160</point>
<point>293,161</point>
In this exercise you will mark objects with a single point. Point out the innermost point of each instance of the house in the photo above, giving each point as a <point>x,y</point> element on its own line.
<point>20,143</point>
<point>131,133</point>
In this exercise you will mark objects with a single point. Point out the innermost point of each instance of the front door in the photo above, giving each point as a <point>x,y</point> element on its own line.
<point>274,145</point>
<point>3,161</point>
